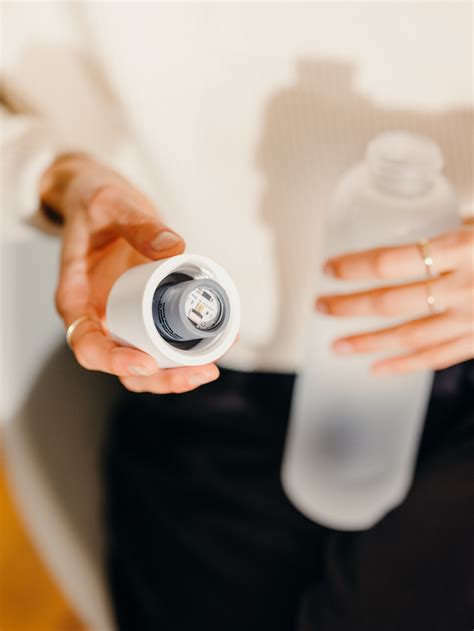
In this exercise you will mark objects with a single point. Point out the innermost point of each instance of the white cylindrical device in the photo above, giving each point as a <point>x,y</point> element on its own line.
<point>183,311</point>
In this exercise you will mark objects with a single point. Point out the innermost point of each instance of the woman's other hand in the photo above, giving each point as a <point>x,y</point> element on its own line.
<point>109,226</point>
<point>433,341</point>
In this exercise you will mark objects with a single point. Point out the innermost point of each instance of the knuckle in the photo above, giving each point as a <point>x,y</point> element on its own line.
<point>462,293</point>
<point>465,238</point>
<point>117,364</point>
<point>469,253</point>
<point>103,197</point>
<point>381,263</point>
<point>460,240</point>
<point>177,386</point>
<point>410,336</point>
<point>162,385</point>
<point>469,233</point>
<point>451,240</point>
<point>179,383</point>
<point>384,303</point>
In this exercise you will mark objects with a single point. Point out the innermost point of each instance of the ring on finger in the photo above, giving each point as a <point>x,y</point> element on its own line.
<point>425,251</point>
<point>75,324</point>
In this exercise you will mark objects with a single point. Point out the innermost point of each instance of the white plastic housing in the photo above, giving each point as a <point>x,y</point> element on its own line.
<point>129,314</point>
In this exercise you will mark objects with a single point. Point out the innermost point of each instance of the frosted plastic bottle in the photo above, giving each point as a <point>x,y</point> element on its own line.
<point>353,437</point>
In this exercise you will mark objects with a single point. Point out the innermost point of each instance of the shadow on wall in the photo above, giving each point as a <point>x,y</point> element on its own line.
<point>313,130</point>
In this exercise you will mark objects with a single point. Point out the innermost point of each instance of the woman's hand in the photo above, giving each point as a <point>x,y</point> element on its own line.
<point>431,342</point>
<point>109,226</point>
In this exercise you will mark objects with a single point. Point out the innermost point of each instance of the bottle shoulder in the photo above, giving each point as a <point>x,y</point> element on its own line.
<point>363,216</point>
<point>357,183</point>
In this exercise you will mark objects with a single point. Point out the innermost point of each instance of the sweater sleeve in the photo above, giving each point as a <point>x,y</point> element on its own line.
<point>27,148</point>
<point>55,98</point>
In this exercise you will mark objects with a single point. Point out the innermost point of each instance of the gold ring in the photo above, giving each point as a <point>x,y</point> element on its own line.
<point>73,326</point>
<point>425,251</point>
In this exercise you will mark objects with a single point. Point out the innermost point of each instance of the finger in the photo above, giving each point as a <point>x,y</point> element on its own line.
<point>173,380</point>
<point>415,334</point>
<point>73,291</point>
<point>95,351</point>
<point>449,251</point>
<point>136,221</point>
<point>396,300</point>
<point>435,357</point>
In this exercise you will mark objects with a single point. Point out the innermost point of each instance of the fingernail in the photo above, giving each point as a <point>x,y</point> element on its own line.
<point>141,371</point>
<point>343,346</point>
<point>329,269</point>
<point>322,306</point>
<point>165,240</point>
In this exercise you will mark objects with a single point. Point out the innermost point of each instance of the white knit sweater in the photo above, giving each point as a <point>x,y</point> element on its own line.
<point>237,119</point>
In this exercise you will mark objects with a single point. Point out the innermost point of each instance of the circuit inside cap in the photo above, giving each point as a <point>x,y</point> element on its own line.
<point>203,308</point>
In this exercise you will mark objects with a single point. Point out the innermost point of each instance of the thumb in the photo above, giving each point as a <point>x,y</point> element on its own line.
<point>153,239</point>
<point>141,226</point>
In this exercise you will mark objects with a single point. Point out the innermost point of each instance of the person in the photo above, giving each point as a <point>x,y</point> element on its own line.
<point>142,126</point>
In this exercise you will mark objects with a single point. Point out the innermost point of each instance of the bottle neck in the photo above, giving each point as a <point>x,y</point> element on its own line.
<point>402,164</point>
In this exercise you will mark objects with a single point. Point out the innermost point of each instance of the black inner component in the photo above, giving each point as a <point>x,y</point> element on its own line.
<point>172,279</point>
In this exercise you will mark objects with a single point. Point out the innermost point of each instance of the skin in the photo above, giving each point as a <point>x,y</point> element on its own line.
<point>110,226</point>
<point>431,342</point>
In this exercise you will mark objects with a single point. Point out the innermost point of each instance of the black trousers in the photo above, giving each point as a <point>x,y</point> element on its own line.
<point>202,537</point>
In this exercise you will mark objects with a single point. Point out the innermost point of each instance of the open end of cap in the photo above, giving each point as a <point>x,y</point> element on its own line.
<point>187,311</point>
